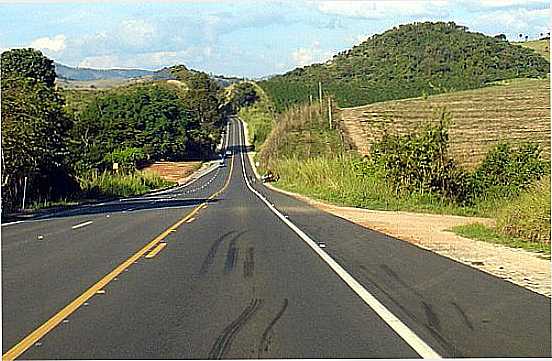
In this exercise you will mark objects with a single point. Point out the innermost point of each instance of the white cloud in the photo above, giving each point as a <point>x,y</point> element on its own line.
<point>513,21</point>
<point>383,9</point>
<point>136,33</point>
<point>495,4</point>
<point>54,44</point>
<point>313,54</point>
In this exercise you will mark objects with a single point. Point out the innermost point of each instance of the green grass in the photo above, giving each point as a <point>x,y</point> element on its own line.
<point>259,118</point>
<point>96,184</point>
<point>481,232</point>
<point>349,180</point>
<point>528,215</point>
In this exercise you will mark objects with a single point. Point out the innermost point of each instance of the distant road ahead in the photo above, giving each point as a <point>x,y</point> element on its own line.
<point>210,270</point>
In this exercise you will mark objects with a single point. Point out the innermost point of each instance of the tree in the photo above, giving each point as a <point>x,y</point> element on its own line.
<point>28,63</point>
<point>146,122</point>
<point>34,127</point>
<point>243,95</point>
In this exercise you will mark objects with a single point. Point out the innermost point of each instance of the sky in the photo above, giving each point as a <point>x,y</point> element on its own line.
<point>238,38</point>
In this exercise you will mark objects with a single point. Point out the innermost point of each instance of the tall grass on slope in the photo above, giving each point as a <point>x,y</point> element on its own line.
<point>96,184</point>
<point>302,132</point>
<point>528,216</point>
<point>350,180</point>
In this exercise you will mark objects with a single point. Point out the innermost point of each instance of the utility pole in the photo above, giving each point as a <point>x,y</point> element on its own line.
<point>330,111</point>
<point>310,107</point>
<point>320,95</point>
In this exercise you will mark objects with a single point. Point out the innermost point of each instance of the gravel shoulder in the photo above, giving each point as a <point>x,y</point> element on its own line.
<point>430,231</point>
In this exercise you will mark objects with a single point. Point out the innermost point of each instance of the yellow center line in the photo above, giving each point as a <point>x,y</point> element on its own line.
<point>156,250</point>
<point>190,220</point>
<point>47,326</point>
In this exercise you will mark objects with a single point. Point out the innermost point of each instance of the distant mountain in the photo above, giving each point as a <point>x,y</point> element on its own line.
<point>409,61</point>
<point>70,73</point>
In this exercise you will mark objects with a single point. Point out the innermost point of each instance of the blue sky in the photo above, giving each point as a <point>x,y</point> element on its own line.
<point>242,38</point>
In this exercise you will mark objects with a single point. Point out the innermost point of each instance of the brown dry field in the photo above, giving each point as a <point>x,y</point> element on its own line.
<point>514,111</point>
<point>173,171</point>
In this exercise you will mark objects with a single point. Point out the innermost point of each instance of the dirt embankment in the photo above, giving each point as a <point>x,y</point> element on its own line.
<point>174,171</point>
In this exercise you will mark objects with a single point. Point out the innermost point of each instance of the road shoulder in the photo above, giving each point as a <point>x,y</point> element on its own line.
<point>430,231</point>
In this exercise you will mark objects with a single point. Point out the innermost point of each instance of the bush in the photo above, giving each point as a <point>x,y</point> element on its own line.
<point>507,170</point>
<point>128,158</point>
<point>419,161</point>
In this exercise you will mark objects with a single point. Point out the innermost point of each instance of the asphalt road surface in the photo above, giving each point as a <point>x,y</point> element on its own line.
<point>225,268</point>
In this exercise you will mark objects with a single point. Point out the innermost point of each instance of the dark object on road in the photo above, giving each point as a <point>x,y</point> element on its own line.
<point>268,177</point>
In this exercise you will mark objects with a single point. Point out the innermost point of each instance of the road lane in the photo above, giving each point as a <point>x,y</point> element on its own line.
<point>39,277</point>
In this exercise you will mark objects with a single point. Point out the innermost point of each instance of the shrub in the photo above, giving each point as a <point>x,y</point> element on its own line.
<point>420,162</point>
<point>507,170</point>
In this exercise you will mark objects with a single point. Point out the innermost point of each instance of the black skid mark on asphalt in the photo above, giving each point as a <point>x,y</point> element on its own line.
<point>210,258</point>
<point>432,319</point>
<point>266,338</point>
<point>231,258</point>
<point>463,315</point>
<point>451,349</point>
<point>395,276</point>
<point>224,341</point>
<point>249,263</point>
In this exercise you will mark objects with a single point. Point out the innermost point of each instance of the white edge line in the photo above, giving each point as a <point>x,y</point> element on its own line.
<point>422,348</point>
<point>80,225</point>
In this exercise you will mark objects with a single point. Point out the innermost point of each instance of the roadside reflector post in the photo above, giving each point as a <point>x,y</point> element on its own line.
<point>24,193</point>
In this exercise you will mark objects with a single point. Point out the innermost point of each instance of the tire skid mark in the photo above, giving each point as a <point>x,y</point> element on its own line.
<point>249,263</point>
<point>266,339</point>
<point>209,259</point>
<point>231,258</point>
<point>224,341</point>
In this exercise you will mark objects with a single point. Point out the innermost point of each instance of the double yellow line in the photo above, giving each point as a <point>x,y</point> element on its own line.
<point>55,320</point>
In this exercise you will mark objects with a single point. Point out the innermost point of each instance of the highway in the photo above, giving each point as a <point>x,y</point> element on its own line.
<point>226,268</point>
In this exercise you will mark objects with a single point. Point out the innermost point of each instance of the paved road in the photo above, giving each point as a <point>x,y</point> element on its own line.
<point>209,270</point>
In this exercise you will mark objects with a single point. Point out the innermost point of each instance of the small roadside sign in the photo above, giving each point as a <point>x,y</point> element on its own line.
<point>115,166</point>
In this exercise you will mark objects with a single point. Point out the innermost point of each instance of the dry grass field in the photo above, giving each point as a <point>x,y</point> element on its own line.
<point>540,46</point>
<point>513,111</point>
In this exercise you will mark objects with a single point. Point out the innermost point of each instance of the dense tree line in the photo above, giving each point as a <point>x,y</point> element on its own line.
<point>53,144</point>
<point>34,127</point>
<point>409,61</point>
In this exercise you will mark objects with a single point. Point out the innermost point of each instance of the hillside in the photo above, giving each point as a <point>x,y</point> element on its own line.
<point>540,46</point>
<point>515,111</point>
<point>409,61</point>
<point>70,73</point>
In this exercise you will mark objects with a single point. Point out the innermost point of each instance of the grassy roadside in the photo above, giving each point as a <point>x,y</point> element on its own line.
<point>523,222</point>
<point>105,183</point>
<point>483,233</point>
<point>100,185</point>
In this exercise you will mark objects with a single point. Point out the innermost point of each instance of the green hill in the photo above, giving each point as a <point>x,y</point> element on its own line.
<point>409,61</point>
